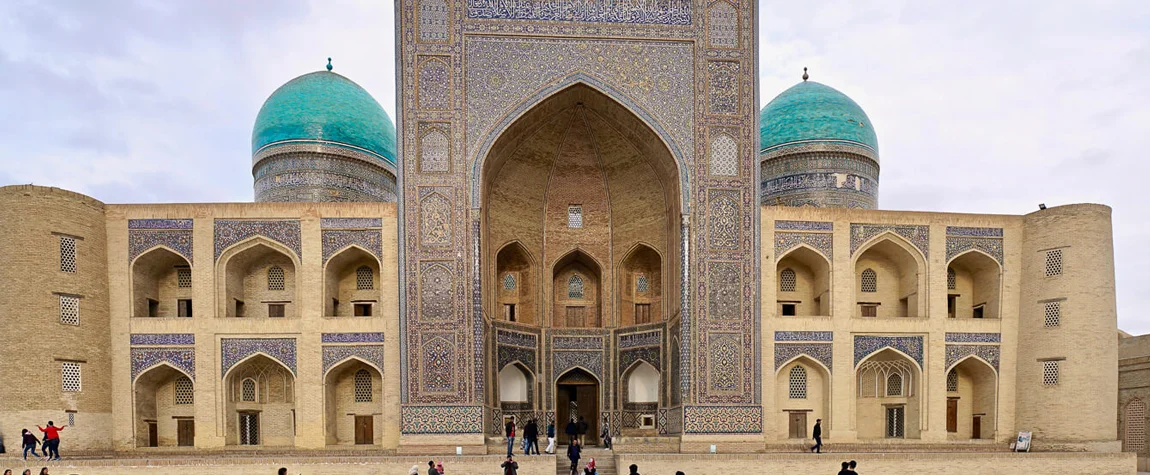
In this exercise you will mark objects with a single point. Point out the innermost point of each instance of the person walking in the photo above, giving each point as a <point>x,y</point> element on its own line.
<point>510,467</point>
<point>851,468</point>
<point>572,430</point>
<point>582,427</point>
<point>550,438</point>
<point>52,436</point>
<point>846,469</point>
<point>431,468</point>
<point>818,433</point>
<point>30,442</point>
<point>573,453</point>
<point>633,470</point>
<point>605,434</point>
<point>531,434</point>
<point>509,431</point>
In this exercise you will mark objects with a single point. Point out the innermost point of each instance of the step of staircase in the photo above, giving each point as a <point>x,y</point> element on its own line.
<point>604,461</point>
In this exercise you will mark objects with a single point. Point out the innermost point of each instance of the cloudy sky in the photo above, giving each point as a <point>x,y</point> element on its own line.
<point>988,106</point>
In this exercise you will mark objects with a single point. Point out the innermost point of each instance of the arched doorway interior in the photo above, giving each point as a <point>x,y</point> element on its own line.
<point>577,395</point>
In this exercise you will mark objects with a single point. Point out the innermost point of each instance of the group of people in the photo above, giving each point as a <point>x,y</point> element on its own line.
<point>530,437</point>
<point>849,468</point>
<point>28,471</point>
<point>50,446</point>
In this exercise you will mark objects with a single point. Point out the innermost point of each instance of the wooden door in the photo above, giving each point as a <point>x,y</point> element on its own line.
<point>976,427</point>
<point>798,425</point>
<point>952,415</point>
<point>588,397</point>
<point>364,432</point>
<point>185,432</point>
<point>153,435</point>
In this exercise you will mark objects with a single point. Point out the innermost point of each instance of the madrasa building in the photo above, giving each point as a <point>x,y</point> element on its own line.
<point>580,212</point>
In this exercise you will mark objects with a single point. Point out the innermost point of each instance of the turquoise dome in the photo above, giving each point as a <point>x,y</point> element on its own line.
<point>810,111</point>
<point>324,107</point>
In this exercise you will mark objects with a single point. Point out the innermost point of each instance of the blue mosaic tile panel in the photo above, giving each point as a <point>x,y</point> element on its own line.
<point>441,419</point>
<point>592,361</point>
<point>526,340</point>
<point>333,355</point>
<point>156,339</point>
<point>784,225</point>
<point>973,232</point>
<point>865,345</point>
<point>821,242</point>
<point>636,340</point>
<point>988,353</point>
<point>723,419</point>
<point>649,354</point>
<point>234,350</point>
<point>160,224</point>
<point>376,337</point>
<point>670,421</point>
<point>973,337</point>
<point>804,336</point>
<point>229,232</point>
<point>334,241</point>
<point>821,352</point>
<point>350,223</point>
<point>181,358</point>
<point>658,12</point>
<point>955,246</point>
<point>577,342</point>
<point>510,354</point>
<point>917,235</point>
<point>141,240</point>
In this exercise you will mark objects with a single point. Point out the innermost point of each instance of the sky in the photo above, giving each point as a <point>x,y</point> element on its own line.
<point>984,106</point>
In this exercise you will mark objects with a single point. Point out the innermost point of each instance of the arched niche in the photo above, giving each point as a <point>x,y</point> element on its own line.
<point>888,399</point>
<point>640,288</point>
<point>515,387</point>
<point>977,284</point>
<point>164,405</point>
<point>802,396</point>
<point>351,284</point>
<point>972,408</point>
<point>161,284</point>
<point>642,383</point>
<point>803,278</point>
<point>886,283</point>
<point>353,401</point>
<point>577,292</point>
<point>257,279</point>
<point>515,284</point>
<point>259,403</point>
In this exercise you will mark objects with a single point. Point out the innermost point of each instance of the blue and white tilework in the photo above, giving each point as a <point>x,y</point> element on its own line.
<point>335,354</point>
<point>784,225</point>
<point>510,354</point>
<point>661,12</point>
<point>865,345</point>
<point>441,419</point>
<point>160,224</point>
<point>636,340</point>
<point>955,246</point>
<point>336,240</point>
<point>917,235</point>
<point>350,223</point>
<point>183,359</point>
<point>973,232</point>
<point>577,342</point>
<point>649,354</point>
<point>373,337</point>
<point>822,242</point>
<point>163,339</point>
<point>973,337</point>
<point>821,352</point>
<point>175,234</point>
<point>722,419</point>
<point>804,336</point>
<point>229,232</point>
<point>565,360</point>
<point>525,340</point>
<point>234,350</point>
<point>988,353</point>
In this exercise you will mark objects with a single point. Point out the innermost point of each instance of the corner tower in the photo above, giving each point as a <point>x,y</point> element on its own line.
<point>818,148</point>
<point>322,137</point>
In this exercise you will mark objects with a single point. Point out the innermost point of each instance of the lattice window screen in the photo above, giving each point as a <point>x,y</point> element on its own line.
<point>1054,262</point>
<point>869,281</point>
<point>950,279</point>
<point>894,385</point>
<point>1052,313</point>
<point>868,381</point>
<point>1135,434</point>
<point>184,278</point>
<point>642,283</point>
<point>798,383</point>
<point>362,386</point>
<point>575,287</point>
<point>184,393</point>
<point>275,278</point>
<point>952,381</point>
<point>787,280</point>
<point>894,422</point>
<point>70,379</point>
<point>71,419</point>
<point>364,278</point>
<point>248,390</point>
<point>69,310</point>
<point>575,216</point>
<point>724,156</point>
<point>67,254</point>
<point>1049,373</point>
<point>509,282</point>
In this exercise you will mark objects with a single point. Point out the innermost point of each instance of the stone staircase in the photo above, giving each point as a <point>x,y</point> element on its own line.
<point>604,461</point>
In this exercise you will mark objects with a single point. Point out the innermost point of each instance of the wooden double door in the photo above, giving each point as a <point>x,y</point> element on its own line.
<point>364,430</point>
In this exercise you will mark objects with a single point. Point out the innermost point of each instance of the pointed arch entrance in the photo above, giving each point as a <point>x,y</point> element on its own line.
<point>577,396</point>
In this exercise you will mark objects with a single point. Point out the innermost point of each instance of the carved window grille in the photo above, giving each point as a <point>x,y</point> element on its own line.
<point>895,422</point>
<point>575,287</point>
<point>509,282</point>
<point>248,390</point>
<point>894,385</point>
<point>575,216</point>
<point>886,379</point>
<point>952,381</point>
<point>867,384</point>
<point>68,254</point>
<point>275,278</point>
<point>70,380</point>
<point>184,277</point>
<point>787,280</point>
<point>724,156</point>
<point>69,310</point>
<point>364,278</point>
<point>797,389</point>
<point>642,283</point>
<point>869,281</point>
<point>71,418</point>
<point>950,279</point>
<point>1052,314</point>
<point>1050,373</point>
<point>363,385</point>
<point>1053,262</point>
<point>249,428</point>
<point>184,393</point>
<point>1135,433</point>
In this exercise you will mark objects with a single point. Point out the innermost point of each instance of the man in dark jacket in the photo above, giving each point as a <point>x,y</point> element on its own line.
<point>431,468</point>
<point>572,431</point>
<point>509,431</point>
<point>531,433</point>
<point>582,427</point>
<point>818,433</point>
<point>510,467</point>
<point>573,452</point>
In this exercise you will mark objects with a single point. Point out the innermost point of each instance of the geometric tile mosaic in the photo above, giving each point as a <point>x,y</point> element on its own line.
<point>973,232</point>
<point>917,235</point>
<point>441,419</point>
<point>865,345</point>
<point>804,336</point>
<point>988,353</point>
<point>576,343</point>
<point>511,354</point>
<point>821,352</point>
<point>234,350</point>
<point>335,240</point>
<point>526,340</point>
<point>822,242</point>
<point>648,354</point>
<point>182,358</point>
<point>667,12</point>
<point>160,224</point>
<point>722,419</point>
<point>229,231</point>
<point>973,337</point>
<point>784,225</point>
<point>168,232</point>
<point>376,337</point>
<point>158,339</point>
<point>350,223</point>
<point>591,361</point>
<point>959,245</point>
<point>333,355</point>
<point>636,340</point>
